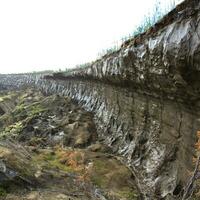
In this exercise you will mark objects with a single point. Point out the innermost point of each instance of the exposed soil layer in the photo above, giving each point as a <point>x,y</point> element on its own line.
<point>49,150</point>
<point>145,99</point>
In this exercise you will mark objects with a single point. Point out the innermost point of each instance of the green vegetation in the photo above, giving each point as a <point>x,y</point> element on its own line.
<point>40,159</point>
<point>3,192</point>
<point>110,174</point>
<point>106,173</point>
<point>101,168</point>
<point>17,161</point>
<point>148,21</point>
<point>21,115</point>
<point>23,111</point>
<point>80,66</point>
<point>12,124</point>
<point>8,96</point>
<point>50,160</point>
<point>12,130</point>
<point>128,194</point>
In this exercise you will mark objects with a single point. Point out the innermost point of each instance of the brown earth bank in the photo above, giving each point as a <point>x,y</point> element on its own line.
<point>49,150</point>
<point>145,99</point>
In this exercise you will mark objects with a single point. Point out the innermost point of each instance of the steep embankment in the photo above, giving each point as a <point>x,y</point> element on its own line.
<point>145,98</point>
<point>49,150</point>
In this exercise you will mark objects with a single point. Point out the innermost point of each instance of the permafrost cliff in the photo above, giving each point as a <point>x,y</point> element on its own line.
<point>145,98</point>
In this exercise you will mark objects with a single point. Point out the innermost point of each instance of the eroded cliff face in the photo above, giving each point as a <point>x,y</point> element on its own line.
<point>145,98</point>
<point>49,150</point>
<point>154,135</point>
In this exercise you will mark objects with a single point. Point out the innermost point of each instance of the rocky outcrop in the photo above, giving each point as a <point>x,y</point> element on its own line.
<point>49,148</point>
<point>145,98</point>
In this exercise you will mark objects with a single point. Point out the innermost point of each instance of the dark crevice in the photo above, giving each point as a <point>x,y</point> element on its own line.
<point>2,112</point>
<point>178,190</point>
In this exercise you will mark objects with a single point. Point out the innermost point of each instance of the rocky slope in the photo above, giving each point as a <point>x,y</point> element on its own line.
<point>145,100</point>
<point>49,150</point>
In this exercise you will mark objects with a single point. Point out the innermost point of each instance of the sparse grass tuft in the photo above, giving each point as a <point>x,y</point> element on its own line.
<point>148,21</point>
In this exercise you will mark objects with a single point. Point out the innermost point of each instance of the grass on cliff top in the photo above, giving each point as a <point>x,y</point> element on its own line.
<point>157,13</point>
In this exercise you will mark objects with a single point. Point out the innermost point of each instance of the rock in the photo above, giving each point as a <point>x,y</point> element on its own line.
<point>38,165</point>
<point>63,197</point>
<point>15,166</point>
<point>72,126</point>
<point>144,97</point>
<point>98,147</point>
<point>33,196</point>
<point>38,174</point>
<point>2,167</point>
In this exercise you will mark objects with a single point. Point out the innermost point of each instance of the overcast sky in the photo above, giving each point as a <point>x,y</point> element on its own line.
<point>40,35</point>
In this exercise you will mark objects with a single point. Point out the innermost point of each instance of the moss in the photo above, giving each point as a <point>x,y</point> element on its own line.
<point>114,178</point>
<point>35,109</point>
<point>12,130</point>
<point>24,168</point>
<point>19,112</point>
<point>8,96</point>
<point>14,123</point>
<point>55,163</point>
<point>23,111</point>
<point>128,193</point>
<point>3,191</point>
<point>100,169</point>
<point>17,161</point>
<point>5,120</point>
<point>22,98</point>
<point>50,160</point>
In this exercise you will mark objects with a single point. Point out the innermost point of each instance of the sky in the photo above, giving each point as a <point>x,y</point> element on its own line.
<point>38,35</point>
